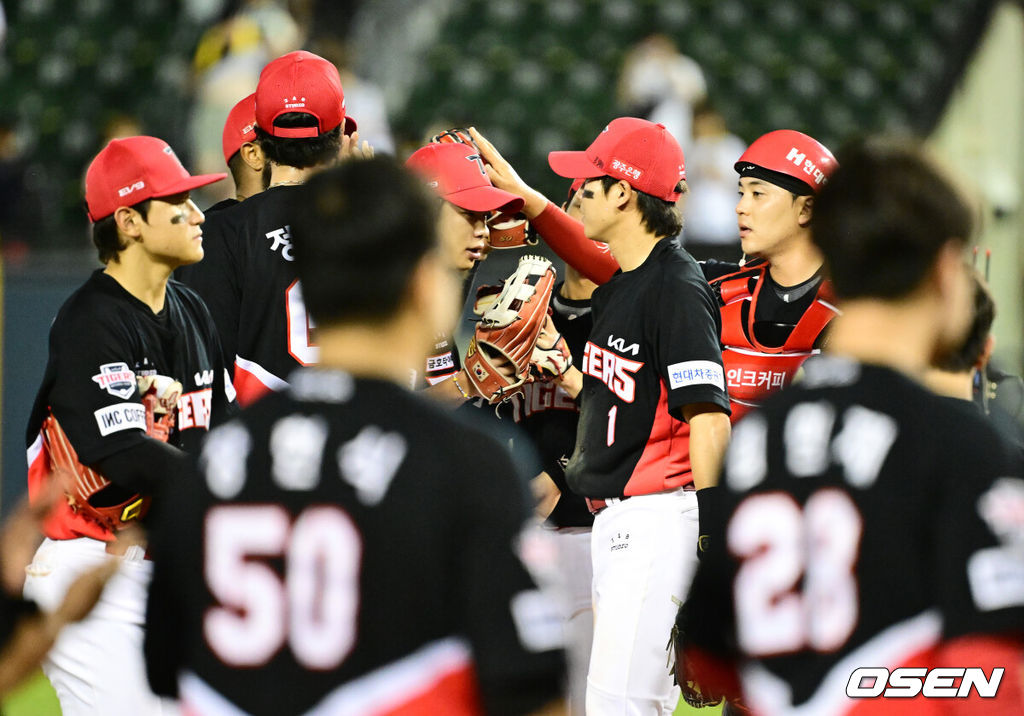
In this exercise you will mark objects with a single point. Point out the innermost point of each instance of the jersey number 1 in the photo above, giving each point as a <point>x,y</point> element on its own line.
<point>312,608</point>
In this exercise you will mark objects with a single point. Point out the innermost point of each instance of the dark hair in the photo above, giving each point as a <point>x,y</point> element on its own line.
<point>883,217</point>
<point>970,351</point>
<point>359,231</point>
<point>662,218</point>
<point>105,237</point>
<point>300,152</point>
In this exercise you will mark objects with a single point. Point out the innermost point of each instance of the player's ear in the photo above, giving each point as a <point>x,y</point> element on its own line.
<point>806,206</point>
<point>128,221</point>
<point>621,193</point>
<point>253,156</point>
<point>986,352</point>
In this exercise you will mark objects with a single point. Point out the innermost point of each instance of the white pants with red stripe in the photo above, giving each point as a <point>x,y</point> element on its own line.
<point>96,666</point>
<point>644,553</point>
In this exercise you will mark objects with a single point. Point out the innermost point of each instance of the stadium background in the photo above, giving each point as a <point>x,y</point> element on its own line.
<point>533,75</point>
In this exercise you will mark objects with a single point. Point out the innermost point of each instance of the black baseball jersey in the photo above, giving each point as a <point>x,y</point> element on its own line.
<point>102,341</point>
<point>221,205</point>
<point>343,544</point>
<point>550,417</point>
<point>866,522</point>
<point>248,280</point>
<point>654,349</point>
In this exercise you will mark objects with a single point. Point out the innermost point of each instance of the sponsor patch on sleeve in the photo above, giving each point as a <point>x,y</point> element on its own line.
<point>695,372</point>
<point>440,362</point>
<point>123,416</point>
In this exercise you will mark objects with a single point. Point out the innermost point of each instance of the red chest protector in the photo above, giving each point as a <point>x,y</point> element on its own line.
<point>752,369</point>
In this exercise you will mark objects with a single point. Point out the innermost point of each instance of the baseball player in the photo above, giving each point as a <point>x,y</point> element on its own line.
<point>654,410</point>
<point>134,380</point>
<point>247,278</point>
<point>837,560</point>
<point>549,416</point>
<point>303,577</point>
<point>249,167</point>
<point>455,172</point>
<point>776,306</point>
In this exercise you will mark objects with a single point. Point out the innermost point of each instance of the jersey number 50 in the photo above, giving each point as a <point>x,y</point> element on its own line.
<point>313,608</point>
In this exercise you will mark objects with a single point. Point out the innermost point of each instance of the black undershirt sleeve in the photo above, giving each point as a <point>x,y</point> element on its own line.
<point>143,467</point>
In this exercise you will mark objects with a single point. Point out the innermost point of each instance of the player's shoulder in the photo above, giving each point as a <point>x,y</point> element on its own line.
<point>677,272</point>
<point>388,407</point>
<point>98,301</point>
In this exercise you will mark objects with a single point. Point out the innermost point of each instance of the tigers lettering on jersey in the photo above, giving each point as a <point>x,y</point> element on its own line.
<point>611,369</point>
<point>194,409</point>
<point>539,397</point>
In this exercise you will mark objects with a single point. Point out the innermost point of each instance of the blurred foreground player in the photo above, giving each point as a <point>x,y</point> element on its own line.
<point>285,567</point>
<point>867,522</point>
<point>653,410</point>
<point>134,380</point>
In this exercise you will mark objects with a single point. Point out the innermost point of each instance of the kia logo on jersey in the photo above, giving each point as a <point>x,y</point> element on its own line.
<point>204,377</point>
<point>613,370</point>
<point>117,379</point>
<point>619,344</point>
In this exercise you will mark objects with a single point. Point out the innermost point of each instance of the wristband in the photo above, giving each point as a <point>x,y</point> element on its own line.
<point>455,379</point>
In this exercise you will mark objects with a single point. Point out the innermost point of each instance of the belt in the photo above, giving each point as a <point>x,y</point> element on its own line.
<point>598,504</point>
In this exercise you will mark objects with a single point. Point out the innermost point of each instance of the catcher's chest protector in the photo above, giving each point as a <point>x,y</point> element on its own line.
<point>753,369</point>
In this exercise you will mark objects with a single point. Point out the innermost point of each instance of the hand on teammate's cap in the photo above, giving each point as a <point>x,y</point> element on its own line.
<point>351,148</point>
<point>505,177</point>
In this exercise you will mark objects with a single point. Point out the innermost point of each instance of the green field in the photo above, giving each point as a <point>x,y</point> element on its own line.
<point>36,698</point>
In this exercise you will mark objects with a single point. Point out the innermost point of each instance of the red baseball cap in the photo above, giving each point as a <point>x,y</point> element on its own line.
<point>240,126</point>
<point>456,172</point>
<point>299,82</point>
<point>134,169</point>
<point>642,153</point>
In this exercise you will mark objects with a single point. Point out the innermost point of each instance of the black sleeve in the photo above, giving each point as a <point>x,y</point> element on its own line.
<point>687,344</point>
<point>216,280</point>
<point>978,537</point>
<point>513,627</point>
<point>94,394</point>
<point>144,467</point>
<point>175,540</point>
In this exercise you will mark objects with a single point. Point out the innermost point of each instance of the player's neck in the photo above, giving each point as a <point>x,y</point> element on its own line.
<point>630,243</point>
<point>143,279</point>
<point>954,385</point>
<point>283,175</point>
<point>900,335</point>
<point>795,263</point>
<point>387,352</point>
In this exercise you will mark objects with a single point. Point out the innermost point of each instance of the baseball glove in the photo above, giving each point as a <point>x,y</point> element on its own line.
<point>551,356</point>
<point>88,492</point>
<point>498,359</point>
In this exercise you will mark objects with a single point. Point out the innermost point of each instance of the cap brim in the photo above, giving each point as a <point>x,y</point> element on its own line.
<point>486,198</point>
<point>350,125</point>
<point>189,184</point>
<point>574,165</point>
